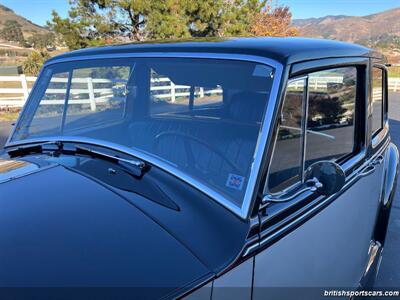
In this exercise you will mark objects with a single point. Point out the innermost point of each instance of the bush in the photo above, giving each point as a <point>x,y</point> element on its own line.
<point>42,41</point>
<point>12,32</point>
<point>34,63</point>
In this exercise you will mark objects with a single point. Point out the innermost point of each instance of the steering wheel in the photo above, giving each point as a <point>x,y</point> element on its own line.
<point>191,161</point>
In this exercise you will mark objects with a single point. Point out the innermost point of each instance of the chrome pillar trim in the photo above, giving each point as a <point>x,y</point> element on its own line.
<point>66,101</point>
<point>304,128</point>
<point>382,134</point>
<point>242,211</point>
<point>250,249</point>
<point>290,188</point>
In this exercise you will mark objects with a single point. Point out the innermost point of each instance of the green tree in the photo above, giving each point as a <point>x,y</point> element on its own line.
<point>12,32</point>
<point>166,20</point>
<point>97,22</point>
<point>240,17</point>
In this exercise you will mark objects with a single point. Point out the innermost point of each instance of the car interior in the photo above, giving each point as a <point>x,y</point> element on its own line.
<point>209,141</point>
<point>212,136</point>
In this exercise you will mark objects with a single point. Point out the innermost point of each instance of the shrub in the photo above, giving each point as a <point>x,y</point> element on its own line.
<point>34,63</point>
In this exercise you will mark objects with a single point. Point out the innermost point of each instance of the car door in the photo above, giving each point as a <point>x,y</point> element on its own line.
<point>320,241</point>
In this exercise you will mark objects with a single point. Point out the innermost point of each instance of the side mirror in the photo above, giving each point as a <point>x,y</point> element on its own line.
<point>328,174</point>
<point>324,178</point>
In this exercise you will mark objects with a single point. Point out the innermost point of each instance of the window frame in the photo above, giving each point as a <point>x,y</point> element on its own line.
<point>352,160</point>
<point>379,135</point>
<point>303,138</point>
<point>375,132</point>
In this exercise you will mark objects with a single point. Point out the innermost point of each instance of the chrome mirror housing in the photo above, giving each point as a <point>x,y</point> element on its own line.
<point>330,175</point>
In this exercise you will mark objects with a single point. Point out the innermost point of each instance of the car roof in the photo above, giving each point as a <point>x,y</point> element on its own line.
<point>284,50</point>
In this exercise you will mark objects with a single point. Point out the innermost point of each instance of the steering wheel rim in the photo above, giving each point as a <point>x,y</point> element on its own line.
<point>188,148</point>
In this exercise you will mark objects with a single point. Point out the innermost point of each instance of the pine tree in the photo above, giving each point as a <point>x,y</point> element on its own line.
<point>98,22</point>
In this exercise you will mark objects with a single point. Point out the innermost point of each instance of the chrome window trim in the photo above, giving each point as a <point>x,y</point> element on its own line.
<point>297,183</point>
<point>379,135</point>
<point>242,211</point>
<point>304,128</point>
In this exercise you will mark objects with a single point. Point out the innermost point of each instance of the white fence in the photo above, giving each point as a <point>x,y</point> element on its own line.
<point>394,84</point>
<point>162,88</point>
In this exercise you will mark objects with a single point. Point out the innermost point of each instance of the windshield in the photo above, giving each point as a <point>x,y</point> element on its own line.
<point>200,116</point>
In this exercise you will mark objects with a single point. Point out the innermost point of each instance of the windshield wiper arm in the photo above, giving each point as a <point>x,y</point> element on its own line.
<point>35,148</point>
<point>137,166</point>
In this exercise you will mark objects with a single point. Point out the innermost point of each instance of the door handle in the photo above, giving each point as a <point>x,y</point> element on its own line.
<point>378,161</point>
<point>371,167</point>
<point>367,170</point>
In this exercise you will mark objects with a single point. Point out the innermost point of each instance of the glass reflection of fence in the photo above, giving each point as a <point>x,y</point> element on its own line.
<point>321,84</point>
<point>89,91</point>
<point>163,88</point>
<point>318,84</point>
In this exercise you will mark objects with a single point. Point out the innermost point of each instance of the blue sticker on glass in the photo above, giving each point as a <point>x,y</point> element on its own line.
<point>235,181</point>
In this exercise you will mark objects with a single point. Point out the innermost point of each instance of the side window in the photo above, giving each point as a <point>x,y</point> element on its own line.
<point>317,122</point>
<point>285,168</point>
<point>331,114</point>
<point>377,100</point>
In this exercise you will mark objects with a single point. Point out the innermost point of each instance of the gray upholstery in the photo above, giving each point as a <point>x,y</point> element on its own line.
<point>227,136</point>
<point>247,107</point>
<point>235,138</point>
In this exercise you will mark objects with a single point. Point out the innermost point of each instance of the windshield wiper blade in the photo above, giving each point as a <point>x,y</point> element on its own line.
<point>137,167</point>
<point>35,148</point>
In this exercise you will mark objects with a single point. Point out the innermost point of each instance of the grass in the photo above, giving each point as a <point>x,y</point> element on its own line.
<point>8,116</point>
<point>394,71</point>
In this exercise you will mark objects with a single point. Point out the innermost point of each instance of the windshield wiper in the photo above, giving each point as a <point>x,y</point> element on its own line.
<point>134,167</point>
<point>35,148</point>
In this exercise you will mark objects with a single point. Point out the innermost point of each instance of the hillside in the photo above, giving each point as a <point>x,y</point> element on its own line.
<point>377,30</point>
<point>28,28</point>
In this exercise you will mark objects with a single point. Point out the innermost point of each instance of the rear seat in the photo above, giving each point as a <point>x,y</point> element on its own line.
<point>235,136</point>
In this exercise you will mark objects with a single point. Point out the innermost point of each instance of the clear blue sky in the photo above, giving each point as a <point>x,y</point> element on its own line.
<point>318,8</point>
<point>39,11</point>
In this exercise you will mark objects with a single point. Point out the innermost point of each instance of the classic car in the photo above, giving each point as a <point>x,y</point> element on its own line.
<point>242,168</point>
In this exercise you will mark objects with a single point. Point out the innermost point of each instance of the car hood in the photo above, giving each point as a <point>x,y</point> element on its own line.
<point>59,228</point>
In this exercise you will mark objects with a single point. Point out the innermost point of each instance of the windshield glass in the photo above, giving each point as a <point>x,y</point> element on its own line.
<point>200,116</point>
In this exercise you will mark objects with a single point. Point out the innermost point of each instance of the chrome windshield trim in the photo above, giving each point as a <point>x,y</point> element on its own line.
<point>242,211</point>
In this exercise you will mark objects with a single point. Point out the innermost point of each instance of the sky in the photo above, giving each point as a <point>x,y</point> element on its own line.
<point>39,11</point>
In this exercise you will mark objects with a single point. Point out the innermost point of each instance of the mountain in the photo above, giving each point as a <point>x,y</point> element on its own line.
<point>381,29</point>
<point>28,28</point>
